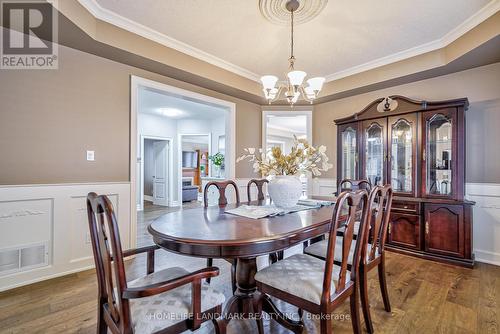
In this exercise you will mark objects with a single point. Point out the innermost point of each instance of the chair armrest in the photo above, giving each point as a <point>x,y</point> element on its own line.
<point>135,251</point>
<point>160,287</point>
<point>150,263</point>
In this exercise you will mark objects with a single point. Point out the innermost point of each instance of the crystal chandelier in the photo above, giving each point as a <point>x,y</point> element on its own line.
<point>293,87</point>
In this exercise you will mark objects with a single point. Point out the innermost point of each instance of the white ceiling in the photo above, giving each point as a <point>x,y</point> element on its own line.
<point>158,103</point>
<point>347,37</point>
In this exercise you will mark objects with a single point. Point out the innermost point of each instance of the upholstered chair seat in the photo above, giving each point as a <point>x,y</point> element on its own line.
<point>318,249</point>
<point>300,275</point>
<point>151,314</point>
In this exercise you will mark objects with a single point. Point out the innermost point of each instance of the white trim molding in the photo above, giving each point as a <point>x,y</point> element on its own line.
<point>115,19</point>
<point>137,82</point>
<point>55,215</point>
<point>486,221</point>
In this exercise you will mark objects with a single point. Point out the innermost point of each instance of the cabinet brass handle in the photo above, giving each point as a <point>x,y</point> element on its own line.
<point>426,227</point>
<point>423,154</point>
<point>390,225</point>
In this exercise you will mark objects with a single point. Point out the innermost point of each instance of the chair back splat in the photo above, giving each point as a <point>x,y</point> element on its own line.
<point>352,185</point>
<point>108,258</point>
<point>260,188</point>
<point>221,186</point>
<point>379,204</point>
<point>347,209</point>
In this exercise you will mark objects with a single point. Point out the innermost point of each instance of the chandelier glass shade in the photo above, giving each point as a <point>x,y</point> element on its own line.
<point>293,87</point>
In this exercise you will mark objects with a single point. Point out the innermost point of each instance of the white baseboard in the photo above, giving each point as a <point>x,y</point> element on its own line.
<point>148,198</point>
<point>56,215</point>
<point>487,257</point>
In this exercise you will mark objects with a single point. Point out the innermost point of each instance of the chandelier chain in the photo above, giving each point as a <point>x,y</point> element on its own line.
<point>293,87</point>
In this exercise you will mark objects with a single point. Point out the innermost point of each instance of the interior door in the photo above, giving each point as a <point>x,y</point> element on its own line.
<point>402,150</point>
<point>375,151</point>
<point>160,177</point>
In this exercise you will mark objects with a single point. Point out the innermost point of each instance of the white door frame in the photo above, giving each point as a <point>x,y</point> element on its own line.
<point>135,83</point>
<point>170,168</point>
<point>179,157</point>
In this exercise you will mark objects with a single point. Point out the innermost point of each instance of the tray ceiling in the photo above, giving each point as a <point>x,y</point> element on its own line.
<point>347,37</point>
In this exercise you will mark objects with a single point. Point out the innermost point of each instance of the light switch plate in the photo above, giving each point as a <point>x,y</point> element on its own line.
<point>90,156</point>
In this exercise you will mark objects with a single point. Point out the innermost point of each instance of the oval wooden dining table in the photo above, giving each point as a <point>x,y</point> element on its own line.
<point>213,233</point>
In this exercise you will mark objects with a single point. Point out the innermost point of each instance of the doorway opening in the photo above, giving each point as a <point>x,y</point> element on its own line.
<point>194,159</point>
<point>156,171</point>
<point>174,134</point>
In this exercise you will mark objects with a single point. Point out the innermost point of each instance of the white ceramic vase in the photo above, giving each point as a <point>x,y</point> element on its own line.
<point>285,190</point>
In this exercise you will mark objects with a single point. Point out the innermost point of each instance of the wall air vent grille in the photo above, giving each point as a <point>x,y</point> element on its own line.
<point>23,258</point>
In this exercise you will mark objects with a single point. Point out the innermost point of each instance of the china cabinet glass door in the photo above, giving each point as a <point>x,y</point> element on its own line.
<point>349,158</point>
<point>402,151</point>
<point>375,151</point>
<point>439,154</point>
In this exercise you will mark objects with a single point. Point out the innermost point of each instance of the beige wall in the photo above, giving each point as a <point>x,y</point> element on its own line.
<point>49,118</point>
<point>481,85</point>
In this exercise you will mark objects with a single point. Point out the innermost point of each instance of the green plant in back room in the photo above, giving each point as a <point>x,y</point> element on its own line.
<point>218,161</point>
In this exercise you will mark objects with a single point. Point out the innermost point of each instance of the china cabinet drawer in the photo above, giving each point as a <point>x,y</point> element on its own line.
<point>406,207</point>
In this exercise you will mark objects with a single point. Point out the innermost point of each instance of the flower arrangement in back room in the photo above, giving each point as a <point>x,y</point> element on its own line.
<point>303,158</point>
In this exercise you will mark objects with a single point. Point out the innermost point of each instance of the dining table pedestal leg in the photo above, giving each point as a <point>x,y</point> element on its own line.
<point>244,302</point>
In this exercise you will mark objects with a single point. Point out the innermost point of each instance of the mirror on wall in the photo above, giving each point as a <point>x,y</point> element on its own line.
<point>279,129</point>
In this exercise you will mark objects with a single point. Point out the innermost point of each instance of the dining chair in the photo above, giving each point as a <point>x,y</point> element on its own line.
<point>318,286</point>
<point>380,203</point>
<point>260,189</point>
<point>221,186</point>
<point>171,300</point>
<point>273,257</point>
<point>355,185</point>
<point>344,185</point>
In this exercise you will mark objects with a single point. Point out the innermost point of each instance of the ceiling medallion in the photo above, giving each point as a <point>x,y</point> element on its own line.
<point>275,11</point>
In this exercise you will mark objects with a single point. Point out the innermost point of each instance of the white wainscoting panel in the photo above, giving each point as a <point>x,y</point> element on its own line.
<point>486,221</point>
<point>56,216</point>
<point>324,186</point>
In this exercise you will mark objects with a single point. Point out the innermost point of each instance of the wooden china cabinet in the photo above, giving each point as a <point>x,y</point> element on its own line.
<point>419,148</point>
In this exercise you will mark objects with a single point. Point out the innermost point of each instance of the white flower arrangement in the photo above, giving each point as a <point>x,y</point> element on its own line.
<point>303,158</point>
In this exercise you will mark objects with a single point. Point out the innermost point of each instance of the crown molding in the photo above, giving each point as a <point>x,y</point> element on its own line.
<point>484,13</point>
<point>113,18</point>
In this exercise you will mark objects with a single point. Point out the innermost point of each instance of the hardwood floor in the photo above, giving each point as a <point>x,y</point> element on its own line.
<point>426,297</point>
